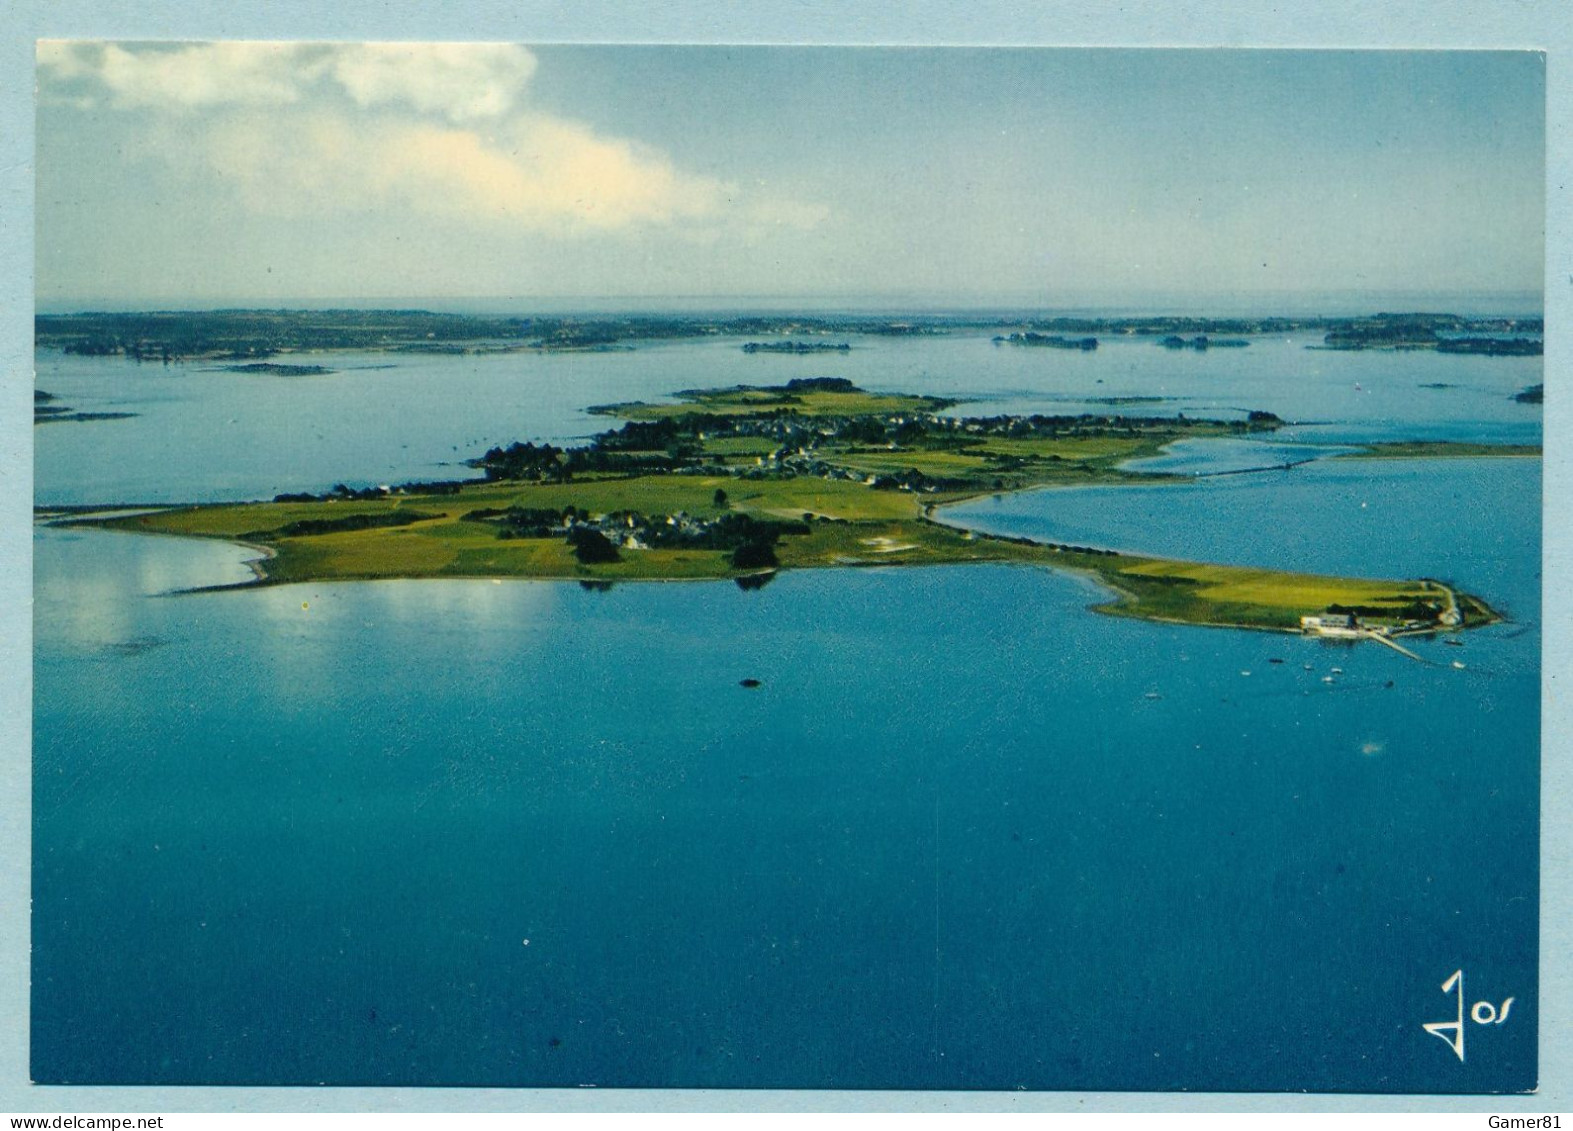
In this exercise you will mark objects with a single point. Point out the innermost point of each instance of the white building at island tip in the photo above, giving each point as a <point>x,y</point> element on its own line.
<point>1344,625</point>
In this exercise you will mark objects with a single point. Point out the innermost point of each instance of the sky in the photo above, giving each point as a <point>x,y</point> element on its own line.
<point>224,174</point>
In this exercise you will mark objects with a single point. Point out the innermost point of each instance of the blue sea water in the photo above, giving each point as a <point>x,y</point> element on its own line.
<point>966,834</point>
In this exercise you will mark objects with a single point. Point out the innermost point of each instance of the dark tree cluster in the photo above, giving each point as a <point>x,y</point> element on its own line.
<point>729,532</point>
<point>523,461</point>
<point>341,493</point>
<point>1424,611</point>
<point>822,384</point>
<point>592,547</point>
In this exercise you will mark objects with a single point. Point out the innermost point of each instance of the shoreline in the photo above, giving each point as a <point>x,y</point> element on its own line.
<point>1125,602</point>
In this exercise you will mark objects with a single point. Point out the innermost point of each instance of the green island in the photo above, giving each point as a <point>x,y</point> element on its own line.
<point>743,482</point>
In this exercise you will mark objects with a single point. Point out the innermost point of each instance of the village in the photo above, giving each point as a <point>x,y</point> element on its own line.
<point>812,438</point>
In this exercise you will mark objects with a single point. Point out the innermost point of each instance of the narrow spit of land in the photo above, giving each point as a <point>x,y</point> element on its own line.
<point>741,482</point>
<point>1433,449</point>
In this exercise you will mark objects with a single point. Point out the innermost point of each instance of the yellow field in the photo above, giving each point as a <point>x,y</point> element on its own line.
<point>1306,592</point>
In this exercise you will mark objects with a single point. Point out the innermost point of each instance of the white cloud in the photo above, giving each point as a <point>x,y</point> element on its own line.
<point>186,77</point>
<point>458,81</point>
<point>539,173</point>
<point>424,130</point>
<point>463,81</point>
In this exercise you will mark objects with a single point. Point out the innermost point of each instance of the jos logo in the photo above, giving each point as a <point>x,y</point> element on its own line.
<point>1481,1013</point>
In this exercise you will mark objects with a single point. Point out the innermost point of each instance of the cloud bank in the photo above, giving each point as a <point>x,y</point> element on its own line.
<point>460,81</point>
<point>427,129</point>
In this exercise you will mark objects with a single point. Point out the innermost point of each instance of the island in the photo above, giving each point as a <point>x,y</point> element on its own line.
<point>796,347</point>
<point>1444,333</point>
<point>47,410</point>
<point>742,482</point>
<point>1202,343</point>
<point>1046,341</point>
<point>277,369</point>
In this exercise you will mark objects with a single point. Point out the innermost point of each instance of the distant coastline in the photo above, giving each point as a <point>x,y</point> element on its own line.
<point>254,336</point>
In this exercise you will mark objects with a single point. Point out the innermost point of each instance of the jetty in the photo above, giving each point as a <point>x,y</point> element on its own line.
<point>1394,645</point>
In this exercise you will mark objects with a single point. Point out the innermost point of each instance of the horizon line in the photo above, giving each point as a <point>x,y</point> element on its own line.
<point>1129,302</point>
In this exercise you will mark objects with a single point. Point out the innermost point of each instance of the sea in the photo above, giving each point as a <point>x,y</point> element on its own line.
<point>966,833</point>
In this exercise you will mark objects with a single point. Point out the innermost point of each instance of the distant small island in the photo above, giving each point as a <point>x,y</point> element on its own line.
<point>746,481</point>
<point>1047,341</point>
<point>1202,343</point>
<point>278,369</point>
<point>47,411</point>
<point>796,347</point>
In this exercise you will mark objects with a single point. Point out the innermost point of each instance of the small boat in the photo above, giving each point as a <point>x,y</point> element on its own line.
<point>1458,665</point>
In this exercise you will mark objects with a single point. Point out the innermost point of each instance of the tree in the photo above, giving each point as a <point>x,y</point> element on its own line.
<point>591,546</point>
<point>720,499</point>
<point>754,554</point>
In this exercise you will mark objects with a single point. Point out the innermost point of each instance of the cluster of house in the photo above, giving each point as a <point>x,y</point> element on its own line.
<point>798,446</point>
<point>629,530</point>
